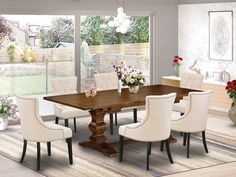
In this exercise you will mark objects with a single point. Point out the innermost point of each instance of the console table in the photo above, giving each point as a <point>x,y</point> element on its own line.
<point>219,97</point>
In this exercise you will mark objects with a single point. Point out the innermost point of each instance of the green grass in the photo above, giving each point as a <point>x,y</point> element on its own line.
<point>26,85</point>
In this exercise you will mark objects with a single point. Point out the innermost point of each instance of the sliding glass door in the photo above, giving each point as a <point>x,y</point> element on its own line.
<point>101,46</point>
<point>34,49</point>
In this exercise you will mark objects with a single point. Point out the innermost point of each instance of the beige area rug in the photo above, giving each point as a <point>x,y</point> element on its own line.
<point>90,163</point>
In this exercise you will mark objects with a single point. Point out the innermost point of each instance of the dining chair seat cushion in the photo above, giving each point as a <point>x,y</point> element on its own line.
<point>181,106</point>
<point>64,133</point>
<point>67,112</point>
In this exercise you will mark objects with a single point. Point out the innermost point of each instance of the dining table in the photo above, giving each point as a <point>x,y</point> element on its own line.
<point>109,101</point>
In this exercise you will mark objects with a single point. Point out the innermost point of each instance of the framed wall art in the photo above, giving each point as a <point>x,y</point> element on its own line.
<point>221,35</point>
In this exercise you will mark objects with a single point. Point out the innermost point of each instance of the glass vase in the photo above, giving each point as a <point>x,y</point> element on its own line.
<point>3,123</point>
<point>119,86</point>
<point>134,89</point>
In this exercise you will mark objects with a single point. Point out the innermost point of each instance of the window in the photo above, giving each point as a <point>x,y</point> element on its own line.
<point>101,45</point>
<point>34,50</point>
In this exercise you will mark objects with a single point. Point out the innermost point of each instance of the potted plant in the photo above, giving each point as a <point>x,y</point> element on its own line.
<point>133,79</point>
<point>231,90</point>
<point>7,110</point>
<point>176,63</point>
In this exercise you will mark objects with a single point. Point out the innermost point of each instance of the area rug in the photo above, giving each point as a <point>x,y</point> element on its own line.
<point>90,163</point>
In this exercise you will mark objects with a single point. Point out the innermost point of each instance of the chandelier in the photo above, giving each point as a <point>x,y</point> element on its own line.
<point>120,21</point>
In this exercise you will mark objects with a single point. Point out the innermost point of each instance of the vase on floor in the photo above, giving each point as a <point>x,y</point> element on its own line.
<point>3,123</point>
<point>134,89</point>
<point>232,112</point>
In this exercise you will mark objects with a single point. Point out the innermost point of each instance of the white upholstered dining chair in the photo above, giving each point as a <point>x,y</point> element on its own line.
<point>191,81</point>
<point>66,85</point>
<point>109,81</point>
<point>154,127</point>
<point>194,119</point>
<point>34,129</point>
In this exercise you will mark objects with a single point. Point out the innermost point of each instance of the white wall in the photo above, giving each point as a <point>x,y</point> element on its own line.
<point>194,37</point>
<point>166,41</point>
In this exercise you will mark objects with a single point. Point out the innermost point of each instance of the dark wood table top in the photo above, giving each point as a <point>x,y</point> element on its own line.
<point>112,100</point>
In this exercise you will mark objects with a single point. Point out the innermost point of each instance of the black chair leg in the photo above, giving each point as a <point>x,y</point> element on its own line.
<point>111,123</point>
<point>204,141</point>
<point>149,144</point>
<point>188,144</point>
<point>150,148</point>
<point>69,144</point>
<point>121,144</point>
<point>49,148</point>
<point>56,120</point>
<point>38,156</point>
<point>24,151</point>
<point>162,145</point>
<point>184,139</point>
<point>168,151</point>
<point>116,119</point>
<point>75,124</point>
<point>66,122</point>
<point>135,115</point>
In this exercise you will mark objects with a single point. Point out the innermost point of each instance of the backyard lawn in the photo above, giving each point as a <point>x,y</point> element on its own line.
<point>26,85</point>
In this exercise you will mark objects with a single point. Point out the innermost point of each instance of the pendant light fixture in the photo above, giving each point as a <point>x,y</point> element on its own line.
<point>121,20</point>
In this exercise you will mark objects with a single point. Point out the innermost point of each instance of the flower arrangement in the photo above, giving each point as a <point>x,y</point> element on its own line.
<point>176,63</point>
<point>133,78</point>
<point>7,108</point>
<point>119,68</point>
<point>231,89</point>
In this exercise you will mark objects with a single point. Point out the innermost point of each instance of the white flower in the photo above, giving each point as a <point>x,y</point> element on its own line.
<point>141,81</point>
<point>128,79</point>
<point>132,81</point>
<point>5,109</point>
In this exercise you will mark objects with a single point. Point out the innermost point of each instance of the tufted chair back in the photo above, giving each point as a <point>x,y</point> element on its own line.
<point>195,117</point>
<point>65,85</point>
<point>106,81</point>
<point>156,124</point>
<point>191,80</point>
<point>32,126</point>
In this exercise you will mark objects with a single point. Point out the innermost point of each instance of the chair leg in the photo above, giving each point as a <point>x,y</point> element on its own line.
<point>69,144</point>
<point>75,124</point>
<point>184,139</point>
<point>38,156</point>
<point>116,119</point>
<point>56,120</point>
<point>66,122</point>
<point>111,123</point>
<point>150,148</point>
<point>135,115</point>
<point>149,144</point>
<point>204,141</point>
<point>168,151</point>
<point>49,148</point>
<point>121,144</point>
<point>24,151</point>
<point>188,144</point>
<point>162,145</point>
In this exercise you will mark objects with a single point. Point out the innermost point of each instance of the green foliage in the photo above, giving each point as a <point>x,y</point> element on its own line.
<point>5,31</point>
<point>11,51</point>
<point>27,55</point>
<point>95,31</point>
<point>62,30</point>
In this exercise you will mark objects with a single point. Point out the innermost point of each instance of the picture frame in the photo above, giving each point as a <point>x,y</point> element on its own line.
<point>221,35</point>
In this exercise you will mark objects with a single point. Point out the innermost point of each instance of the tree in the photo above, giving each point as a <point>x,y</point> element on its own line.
<point>5,31</point>
<point>95,31</point>
<point>61,30</point>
